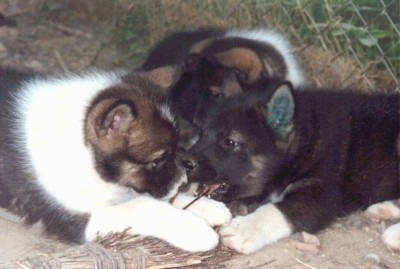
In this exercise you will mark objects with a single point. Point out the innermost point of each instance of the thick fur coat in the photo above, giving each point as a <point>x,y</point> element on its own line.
<point>93,153</point>
<point>295,160</point>
<point>208,56</point>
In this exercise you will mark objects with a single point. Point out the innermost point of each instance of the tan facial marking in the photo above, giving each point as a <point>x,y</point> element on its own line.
<point>257,162</point>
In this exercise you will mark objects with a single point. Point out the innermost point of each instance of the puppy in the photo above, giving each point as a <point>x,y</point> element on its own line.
<point>290,160</point>
<point>89,154</point>
<point>208,56</point>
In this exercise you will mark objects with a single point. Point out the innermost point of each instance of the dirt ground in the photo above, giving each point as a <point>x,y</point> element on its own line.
<point>47,46</point>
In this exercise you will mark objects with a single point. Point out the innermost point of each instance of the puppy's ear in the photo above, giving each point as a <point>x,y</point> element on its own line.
<point>117,120</point>
<point>244,60</point>
<point>201,46</point>
<point>231,86</point>
<point>279,111</point>
<point>165,77</point>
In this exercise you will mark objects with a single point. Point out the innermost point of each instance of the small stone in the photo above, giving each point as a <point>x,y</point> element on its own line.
<point>307,247</point>
<point>7,32</point>
<point>3,51</point>
<point>383,211</point>
<point>310,239</point>
<point>391,237</point>
<point>35,66</point>
<point>373,258</point>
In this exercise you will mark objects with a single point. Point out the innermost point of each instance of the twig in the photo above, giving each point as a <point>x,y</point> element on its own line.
<point>262,264</point>
<point>193,201</point>
<point>175,265</point>
<point>67,30</point>
<point>303,263</point>
<point>61,62</point>
<point>206,191</point>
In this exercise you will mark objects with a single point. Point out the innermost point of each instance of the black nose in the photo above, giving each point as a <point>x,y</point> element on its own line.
<point>189,164</point>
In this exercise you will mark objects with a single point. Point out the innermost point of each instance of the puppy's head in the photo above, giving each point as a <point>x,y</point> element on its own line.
<point>209,63</point>
<point>243,142</point>
<point>131,131</point>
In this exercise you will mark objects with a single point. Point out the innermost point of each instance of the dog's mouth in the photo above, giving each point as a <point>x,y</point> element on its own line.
<point>214,191</point>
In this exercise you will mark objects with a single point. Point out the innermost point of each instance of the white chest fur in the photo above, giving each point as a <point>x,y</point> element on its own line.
<point>50,130</point>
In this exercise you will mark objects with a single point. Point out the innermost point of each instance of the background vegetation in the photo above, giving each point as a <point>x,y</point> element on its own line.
<point>367,32</point>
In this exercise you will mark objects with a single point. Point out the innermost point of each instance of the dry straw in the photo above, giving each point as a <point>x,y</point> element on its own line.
<point>122,250</point>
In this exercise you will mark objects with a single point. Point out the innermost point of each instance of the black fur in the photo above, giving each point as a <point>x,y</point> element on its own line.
<point>193,94</point>
<point>337,154</point>
<point>173,49</point>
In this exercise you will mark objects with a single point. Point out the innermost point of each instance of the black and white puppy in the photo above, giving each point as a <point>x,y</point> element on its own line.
<point>292,160</point>
<point>208,56</point>
<point>88,154</point>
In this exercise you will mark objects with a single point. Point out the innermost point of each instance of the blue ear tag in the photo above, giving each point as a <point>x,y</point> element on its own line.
<point>280,110</point>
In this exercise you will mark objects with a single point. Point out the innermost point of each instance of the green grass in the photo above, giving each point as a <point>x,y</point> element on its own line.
<point>366,31</point>
<point>366,27</point>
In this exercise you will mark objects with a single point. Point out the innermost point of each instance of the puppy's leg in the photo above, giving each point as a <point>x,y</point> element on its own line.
<point>250,233</point>
<point>213,212</point>
<point>303,206</point>
<point>149,217</point>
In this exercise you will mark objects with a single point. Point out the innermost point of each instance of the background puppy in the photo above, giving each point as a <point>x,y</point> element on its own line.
<point>83,154</point>
<point>208,56</point>
<point>293,161</point>
<point>258,57</point>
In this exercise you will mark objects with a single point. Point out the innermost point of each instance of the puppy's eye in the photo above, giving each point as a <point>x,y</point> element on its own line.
<point>158,161</point>
<point>230,143</point>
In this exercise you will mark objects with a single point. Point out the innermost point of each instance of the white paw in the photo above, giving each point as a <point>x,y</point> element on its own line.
<point>146,216</point>
<point>213,212</point>
<point>188,232</point>
<point>247,234</point>
<point>383,211</point>
<point>391,237</point>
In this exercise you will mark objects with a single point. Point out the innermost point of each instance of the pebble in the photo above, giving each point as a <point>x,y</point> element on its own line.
<point>35,66</point>
<point>310,239</point>
<point>8,32</point>
<point>307,247</point>
<point>373,258</point>
<point>3,51</point>
<point>309,243</point>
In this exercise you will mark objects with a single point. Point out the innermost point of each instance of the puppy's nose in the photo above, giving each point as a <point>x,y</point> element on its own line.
<point>189,164</point>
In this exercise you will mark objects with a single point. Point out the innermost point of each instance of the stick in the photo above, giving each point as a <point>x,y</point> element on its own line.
<point>61,62</point>
<point>303,263</point>
<point>207,191</point>
<point>66,29</point>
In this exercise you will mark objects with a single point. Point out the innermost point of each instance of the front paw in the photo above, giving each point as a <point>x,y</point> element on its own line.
<point>247,234</point>
<point>213,212</point>
<point>189,232</point>
<point>148,217</point>
<point>242,235</point>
